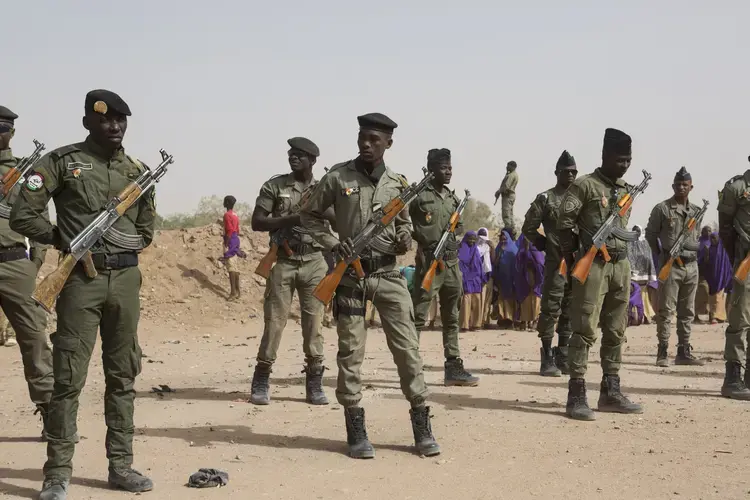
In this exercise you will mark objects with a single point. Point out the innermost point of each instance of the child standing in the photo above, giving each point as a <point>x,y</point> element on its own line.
<point>232,246</point>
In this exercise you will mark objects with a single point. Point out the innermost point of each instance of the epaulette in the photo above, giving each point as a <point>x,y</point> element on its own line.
<point>65,150</point>
<point>138,163</point>
<point>339,165</point>
<point>276,177</point>
<point>734,179</point>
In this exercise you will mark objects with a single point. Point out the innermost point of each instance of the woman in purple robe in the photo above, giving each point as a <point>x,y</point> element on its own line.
<point>636,314</point>
<point>503,276</point>
<point>701,295</point>
<point>529,275</point>
<point>716,268</point>
<point>473,276</point>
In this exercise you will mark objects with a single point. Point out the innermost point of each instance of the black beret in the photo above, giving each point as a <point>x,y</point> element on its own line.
<point>436,155</point>
<point>565,160</point>
<point>616,142</point>
<point>7,115</point>
<point>512,163</point>
<point>304,144</point>
<point>682,175</point>
<point>377,121</point>
<point>103,101</point>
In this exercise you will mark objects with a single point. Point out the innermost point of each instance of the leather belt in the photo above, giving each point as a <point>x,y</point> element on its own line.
<point>372,264</point>
<point>614,257</point>
<point>10,254</point>
<point>687,259</point>
<point>105,262</point>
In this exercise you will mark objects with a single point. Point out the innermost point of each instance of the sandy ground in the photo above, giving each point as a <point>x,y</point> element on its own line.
<point>505,439</point>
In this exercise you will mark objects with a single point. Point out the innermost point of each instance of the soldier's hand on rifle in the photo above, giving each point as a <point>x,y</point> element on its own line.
<point>403,242</point>
<point>345,249</point>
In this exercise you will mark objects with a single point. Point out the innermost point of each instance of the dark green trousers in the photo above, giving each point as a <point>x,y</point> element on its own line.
<point>17,282</point>
<point>448,287</point>
<point>108,303</point>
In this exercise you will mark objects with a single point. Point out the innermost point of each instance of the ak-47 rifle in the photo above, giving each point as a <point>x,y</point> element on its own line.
<point>677,247</point>
<point>47,291</point>
<point>18,174</point>
<point>280,238</point>
<point>380,219</point>
<point>582,266</point>
<point>437,259</point>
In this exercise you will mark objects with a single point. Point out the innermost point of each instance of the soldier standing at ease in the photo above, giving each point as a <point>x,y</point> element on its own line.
<point>556,290</point>
<point>431,213</point>
<point>734,229</point>
<point>276,209</point>
<point>355,188</point>
<point>508,192</point>
<point>17,281</point>
<point>82,178</point>
<point>586,205</point>
<point>667,221</point>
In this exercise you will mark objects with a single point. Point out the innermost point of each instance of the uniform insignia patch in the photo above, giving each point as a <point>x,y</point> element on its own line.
<point>350,191</point>
<point>428,217</point>
<point>605,202</point>
<point>77,165</point>
<point>746,194</point>
<point>572,204</point>
<point>77,173</point>
<point>35,182</point>
<point>100,107</point>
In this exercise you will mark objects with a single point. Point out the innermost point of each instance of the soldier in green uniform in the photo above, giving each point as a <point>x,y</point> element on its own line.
<point>556,289</point>
<point>606,292</point>
<point>431,213</point>
<point>277,211</point>
<point>81,179</point>
<point>734,229</point>
<point>17,281</point>
<point>677,294</point>
<point>355,188</point>
<point>508,192</point>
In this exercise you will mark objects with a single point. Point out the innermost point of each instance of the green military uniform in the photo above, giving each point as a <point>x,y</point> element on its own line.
<point>301,271</point>
<point>508,200</point>
<point>17,282</point>
<point>667,221</point>
<point>606,292</point>
<point>734,227</point>
<point>355,193</point>
<point>556,289</point>
<point>431,214</point>
<point>81,179</point>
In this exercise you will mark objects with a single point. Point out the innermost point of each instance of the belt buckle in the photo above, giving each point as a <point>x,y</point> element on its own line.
<point>110,262</point>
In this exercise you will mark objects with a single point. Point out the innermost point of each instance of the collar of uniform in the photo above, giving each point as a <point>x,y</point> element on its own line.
<point>291,181</point>
<point>619,182</point>
<point>377,172</point>
<point>443,192</point>
<point>101,152</point>
<point>6,154</point>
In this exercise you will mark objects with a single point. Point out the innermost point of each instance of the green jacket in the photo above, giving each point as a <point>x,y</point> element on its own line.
<point>430,214</point>
<point>82,179</point>
<point>666,223</point>
<point>544,211</point>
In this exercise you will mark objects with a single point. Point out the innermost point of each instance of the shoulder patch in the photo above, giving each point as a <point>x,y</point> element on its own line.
<point>65,150</point>
<point>572,204</point>
<point>35,182</point>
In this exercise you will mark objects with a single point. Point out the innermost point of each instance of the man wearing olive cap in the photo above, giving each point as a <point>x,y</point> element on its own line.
<point>299,267</point>
<point>17,281</point>
<point>676,295</point>
<point>81,178</point>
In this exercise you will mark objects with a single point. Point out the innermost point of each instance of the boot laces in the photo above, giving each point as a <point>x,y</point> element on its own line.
<point>260,380</point>
<point>359,431</point>
<point>422,422</point>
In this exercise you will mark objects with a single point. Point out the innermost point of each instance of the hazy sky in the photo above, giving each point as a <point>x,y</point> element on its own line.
<point>221,85</point>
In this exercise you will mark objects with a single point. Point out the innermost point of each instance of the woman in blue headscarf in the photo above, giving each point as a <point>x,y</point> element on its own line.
<point>528,283</point>
<point>503,280</point>
<point>717,270</point>
<point>470,263</point>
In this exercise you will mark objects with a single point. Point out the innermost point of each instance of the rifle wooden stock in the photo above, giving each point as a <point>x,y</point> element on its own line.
<point>266,263</point>
<point>10,179</point>
<point>47,291</point>
<point>582,267</point>
<point>429,276</point>
<point>665,270</point>
<point>327,286</point>
<point>129,195</point>
<point>742,270</point>
<point>563,269</point>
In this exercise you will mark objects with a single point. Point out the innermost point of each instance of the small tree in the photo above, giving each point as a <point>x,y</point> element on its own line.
<point>477,214</point>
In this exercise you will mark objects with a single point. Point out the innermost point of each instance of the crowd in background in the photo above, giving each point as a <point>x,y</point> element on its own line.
<point>502,282</point>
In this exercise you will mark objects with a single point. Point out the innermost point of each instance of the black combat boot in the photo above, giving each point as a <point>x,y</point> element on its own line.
<point>259,386</point>
<point>129,480</point>
<point>662,354</point>
<point>356,433</point>
<point>456,375</point>
<point>611,400</point>
<point>577,407</point>
<point>54,489</point>
<point>314,385</point>
<point>685,357</point>
<point>733,387</point>
<point>422,428</point>
<point>561,359</point>
<point>548,367</point>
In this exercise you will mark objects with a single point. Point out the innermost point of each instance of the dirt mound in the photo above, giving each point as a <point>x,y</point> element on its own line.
<point>184,282</point>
